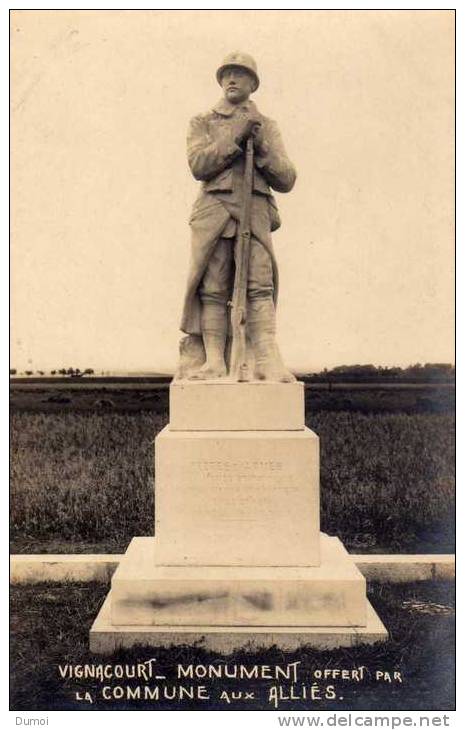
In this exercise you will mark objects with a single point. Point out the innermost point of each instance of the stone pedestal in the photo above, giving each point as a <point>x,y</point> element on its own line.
<point>216,405</point>
<point>237,557</point>
<point>237,498</point>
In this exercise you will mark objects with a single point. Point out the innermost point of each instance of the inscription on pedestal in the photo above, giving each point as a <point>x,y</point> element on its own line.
<point>234,480</point>
<point>238,499</point>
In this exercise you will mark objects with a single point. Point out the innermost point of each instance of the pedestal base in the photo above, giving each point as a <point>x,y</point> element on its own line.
<point>105,638</point>
<point>232,607</point>
<point>144,593</point>
<point>238,561</point>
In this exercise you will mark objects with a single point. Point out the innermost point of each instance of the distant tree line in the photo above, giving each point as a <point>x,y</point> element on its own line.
<point>427,373</point>
<point>70,372</point>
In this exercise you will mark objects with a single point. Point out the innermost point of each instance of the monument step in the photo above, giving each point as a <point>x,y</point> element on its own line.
<point>104,638</point>
<point>332,594</point>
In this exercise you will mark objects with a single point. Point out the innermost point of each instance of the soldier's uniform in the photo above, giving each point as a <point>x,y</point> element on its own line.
<point>216,160</point>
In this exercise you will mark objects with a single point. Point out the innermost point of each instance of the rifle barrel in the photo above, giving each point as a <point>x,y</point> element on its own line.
<point>239,368</point>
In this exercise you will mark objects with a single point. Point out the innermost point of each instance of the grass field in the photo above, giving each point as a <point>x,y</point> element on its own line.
<point>360,397</point>
<point>82,477</point>
<point>50,625</point>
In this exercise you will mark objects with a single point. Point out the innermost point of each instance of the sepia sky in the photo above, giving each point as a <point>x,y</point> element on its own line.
<point>101,191</point>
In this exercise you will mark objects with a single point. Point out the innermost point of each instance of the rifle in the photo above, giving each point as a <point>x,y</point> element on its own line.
<point>239,369</point>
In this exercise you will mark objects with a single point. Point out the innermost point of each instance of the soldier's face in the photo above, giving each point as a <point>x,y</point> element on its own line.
<point>237,84</point>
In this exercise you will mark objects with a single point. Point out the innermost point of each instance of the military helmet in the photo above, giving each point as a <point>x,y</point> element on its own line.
<point>239,59</point>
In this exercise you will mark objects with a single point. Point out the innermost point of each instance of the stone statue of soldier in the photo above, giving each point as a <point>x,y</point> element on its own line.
<point>216,154</point>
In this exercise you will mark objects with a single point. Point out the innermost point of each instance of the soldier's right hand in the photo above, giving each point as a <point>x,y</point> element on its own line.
<point>245,128</point>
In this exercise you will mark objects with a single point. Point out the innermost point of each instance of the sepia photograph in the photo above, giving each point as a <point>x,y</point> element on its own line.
<point>232,360</point>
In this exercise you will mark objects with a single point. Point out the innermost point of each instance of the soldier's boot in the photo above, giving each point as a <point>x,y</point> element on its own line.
<point>261,325</point>
<point>214,324</point>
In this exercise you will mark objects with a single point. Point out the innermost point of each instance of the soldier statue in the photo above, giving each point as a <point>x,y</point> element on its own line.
<point>216,153</point>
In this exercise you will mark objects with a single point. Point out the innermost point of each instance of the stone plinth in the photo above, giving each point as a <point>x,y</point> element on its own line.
<point>227,406</point>
<point>237,560</point>
<point>332,594</point>
<point>237,498</point>
<point>104,638</point>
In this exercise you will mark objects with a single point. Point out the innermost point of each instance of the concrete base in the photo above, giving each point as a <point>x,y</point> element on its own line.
<point>106,638</point>
<point>144,594</point>
<point>331,594</point>
<point>220,405</point>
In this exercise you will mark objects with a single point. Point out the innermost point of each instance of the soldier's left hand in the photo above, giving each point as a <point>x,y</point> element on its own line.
<point>258,138</point>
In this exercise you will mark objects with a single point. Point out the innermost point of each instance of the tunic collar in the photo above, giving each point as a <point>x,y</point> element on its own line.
<point>226,109</point>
